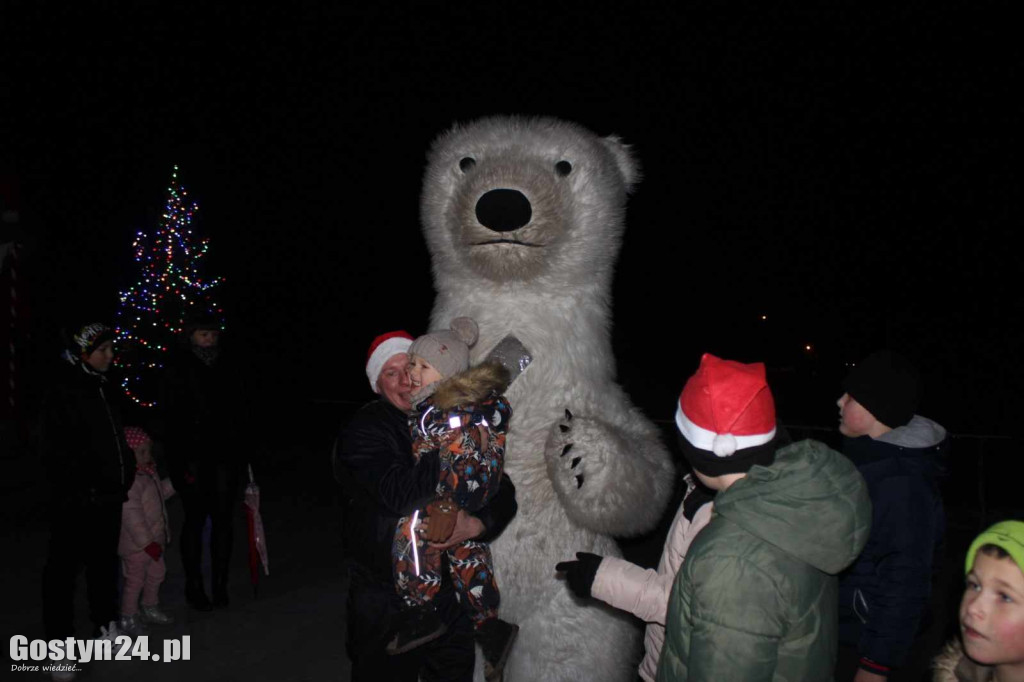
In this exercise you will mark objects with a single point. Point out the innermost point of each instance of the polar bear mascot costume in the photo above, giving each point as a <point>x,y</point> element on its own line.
<point>524,219</point>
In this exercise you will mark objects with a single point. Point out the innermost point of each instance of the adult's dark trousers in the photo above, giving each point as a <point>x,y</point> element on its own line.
<point>214,495</point>
<point>916,668</point>
<point>371,607</point>
<point>81,535</point>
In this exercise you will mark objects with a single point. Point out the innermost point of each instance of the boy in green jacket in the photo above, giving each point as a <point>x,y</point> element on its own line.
<point>756,598</point>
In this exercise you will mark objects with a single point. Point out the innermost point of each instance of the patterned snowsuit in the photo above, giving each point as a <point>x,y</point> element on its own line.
<point>469,437</point>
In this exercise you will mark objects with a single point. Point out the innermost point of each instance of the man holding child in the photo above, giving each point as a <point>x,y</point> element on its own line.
<point>373,461</point>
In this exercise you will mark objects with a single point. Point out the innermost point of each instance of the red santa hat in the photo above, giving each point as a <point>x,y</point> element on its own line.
<point>726,414</point>
<point>381,350</point>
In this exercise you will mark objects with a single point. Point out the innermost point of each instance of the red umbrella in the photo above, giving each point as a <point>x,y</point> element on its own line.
<point>257,538</point>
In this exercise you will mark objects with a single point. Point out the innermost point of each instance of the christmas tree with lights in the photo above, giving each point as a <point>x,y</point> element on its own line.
<point>170,291</point>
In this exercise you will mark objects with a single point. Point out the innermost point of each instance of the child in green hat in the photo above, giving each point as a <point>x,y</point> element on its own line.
<point>991,611</point>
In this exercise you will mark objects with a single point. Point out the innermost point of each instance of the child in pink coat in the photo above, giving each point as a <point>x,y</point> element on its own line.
<point>144,534</point>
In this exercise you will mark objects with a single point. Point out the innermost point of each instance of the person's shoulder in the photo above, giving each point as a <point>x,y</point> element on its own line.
<point>875,459</point>
<point>376,409</point>
<point>802,474</point>
<point>65,374</point>
<point>373,416</point>
<point>732,573</point>
<point>70,379</point>
<point>920,433</point>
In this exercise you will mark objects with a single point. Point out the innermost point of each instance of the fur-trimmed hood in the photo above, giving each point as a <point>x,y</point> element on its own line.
<point>952,665</point>
<point>471,386</point>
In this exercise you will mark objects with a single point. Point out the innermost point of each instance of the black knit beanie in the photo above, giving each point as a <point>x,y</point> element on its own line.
<point>89,337</point>
<point>886,384</point>
<point>200,322</point>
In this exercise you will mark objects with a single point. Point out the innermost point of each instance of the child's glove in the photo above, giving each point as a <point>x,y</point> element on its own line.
<point>442,515</point>
<point>154,550</point>
<point>580,574</point>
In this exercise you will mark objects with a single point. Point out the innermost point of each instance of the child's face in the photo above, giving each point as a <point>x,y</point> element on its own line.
<point>992,612</point>
<point>100,358</point>
<point>854,419</point>
<point>144,453</point>
<point>421,373</point>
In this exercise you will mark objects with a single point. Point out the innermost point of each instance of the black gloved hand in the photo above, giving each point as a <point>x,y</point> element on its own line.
<point>580,573</point>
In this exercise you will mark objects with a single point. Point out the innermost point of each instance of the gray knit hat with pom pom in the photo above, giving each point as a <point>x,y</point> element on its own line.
<point>447,351</point>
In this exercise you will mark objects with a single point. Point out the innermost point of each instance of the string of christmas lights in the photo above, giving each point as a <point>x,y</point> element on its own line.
<point>170,291</point>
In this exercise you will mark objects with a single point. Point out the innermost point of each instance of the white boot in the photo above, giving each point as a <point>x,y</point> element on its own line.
<point>155,615</point>
<point>109,632</point>
<point>131,626</point>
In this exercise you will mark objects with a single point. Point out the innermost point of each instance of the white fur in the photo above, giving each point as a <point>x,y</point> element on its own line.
<point>555,297</point>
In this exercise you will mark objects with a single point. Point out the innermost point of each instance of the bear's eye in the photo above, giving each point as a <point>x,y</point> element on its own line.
<point>467,163</point>
<point>563,168</point>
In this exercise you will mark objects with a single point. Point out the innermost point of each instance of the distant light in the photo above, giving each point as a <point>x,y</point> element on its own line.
<point>807,347</point>
<point>764,317</point>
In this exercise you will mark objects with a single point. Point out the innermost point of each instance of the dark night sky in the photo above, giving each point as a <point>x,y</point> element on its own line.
<point>844,171</point>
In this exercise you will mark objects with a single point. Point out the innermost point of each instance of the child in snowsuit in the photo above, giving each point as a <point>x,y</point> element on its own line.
<point>460,414</point>
<point>144,534</point>
<point>991,611</point>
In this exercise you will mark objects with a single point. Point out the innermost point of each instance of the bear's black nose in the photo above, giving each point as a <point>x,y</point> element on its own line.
<point>503,210</point>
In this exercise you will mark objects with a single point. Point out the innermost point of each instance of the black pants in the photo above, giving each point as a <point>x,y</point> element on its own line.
<point>214,494</point>
<point>926,646</point>
<point>81,535</point>
<point>917,667</point>
<point>371,605</point>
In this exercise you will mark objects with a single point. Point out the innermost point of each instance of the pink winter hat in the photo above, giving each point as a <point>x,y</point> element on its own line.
<point>135,436</point>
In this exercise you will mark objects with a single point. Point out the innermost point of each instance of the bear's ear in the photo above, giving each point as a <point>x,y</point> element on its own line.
<point>628,165</point>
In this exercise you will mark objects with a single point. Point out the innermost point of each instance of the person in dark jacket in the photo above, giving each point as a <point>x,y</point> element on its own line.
<point>885,596</point>
<point>381,480</point>
<point>90,468</point>
<point>203,395</point>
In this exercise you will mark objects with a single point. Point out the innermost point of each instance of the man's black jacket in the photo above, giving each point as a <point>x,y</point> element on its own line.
<point>373,462</point>
<point>84,451</point>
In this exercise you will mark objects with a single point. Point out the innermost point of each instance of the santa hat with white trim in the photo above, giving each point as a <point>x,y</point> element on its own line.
<point>381,350</point>
<point>726,415</point>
